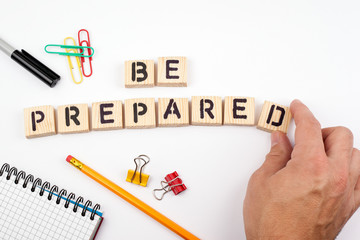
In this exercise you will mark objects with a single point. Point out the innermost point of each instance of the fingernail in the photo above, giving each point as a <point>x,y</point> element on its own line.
<point>275,138</point>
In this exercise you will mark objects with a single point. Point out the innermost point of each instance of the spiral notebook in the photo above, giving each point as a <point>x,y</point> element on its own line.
<point>33,209</point>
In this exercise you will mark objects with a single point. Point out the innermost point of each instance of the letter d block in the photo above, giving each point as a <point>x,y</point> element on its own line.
<point>39,121</point>
<point>274,117</point>
<point>140,113</point>
<point>139,73</point>
<point>206,111</point>
<point>107,115</point>
<point>73,118</point>
<point>172,72</point>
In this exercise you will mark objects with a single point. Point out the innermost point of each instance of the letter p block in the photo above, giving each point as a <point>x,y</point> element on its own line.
<point>39,121</point>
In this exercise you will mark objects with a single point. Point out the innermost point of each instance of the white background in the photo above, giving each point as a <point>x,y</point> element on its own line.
<point>270,50</point>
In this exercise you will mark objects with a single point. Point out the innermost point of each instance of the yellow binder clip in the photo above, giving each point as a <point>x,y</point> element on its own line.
<point>137,177</point>
<point>71,66</point>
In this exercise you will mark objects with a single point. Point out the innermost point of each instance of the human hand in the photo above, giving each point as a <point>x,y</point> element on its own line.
<point>306,192</point>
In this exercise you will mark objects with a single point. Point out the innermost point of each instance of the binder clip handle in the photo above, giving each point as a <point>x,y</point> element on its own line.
<point>137,162</point>
<point>168,186</point>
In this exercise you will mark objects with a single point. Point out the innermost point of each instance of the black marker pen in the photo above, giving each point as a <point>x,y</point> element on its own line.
<point>30,63</point>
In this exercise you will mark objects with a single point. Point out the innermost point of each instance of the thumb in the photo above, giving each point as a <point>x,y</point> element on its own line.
<point>279,155</point>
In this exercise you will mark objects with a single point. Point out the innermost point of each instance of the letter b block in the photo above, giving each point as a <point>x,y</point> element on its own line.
<point>172,72</point>
<point>206,111</point>
<point>39,121</point>
<point>139,73</point>
<point>73,118</point>
<point>140,113</point>
<point>274,117</point>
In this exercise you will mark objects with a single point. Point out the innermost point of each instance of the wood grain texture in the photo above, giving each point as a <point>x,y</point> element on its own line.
<point>107,115</point>
<point>173,112</point>
<point>239,111</point>
<point>39,121</point>
<point>68,124</point>
<point>135,117</point>
<point>206,111</point>
<point>172,74</point>
<point>139,74</point>
<point>274,117</point>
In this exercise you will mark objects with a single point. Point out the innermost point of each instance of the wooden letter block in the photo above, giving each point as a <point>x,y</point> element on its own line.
<point>139,73</point>
<point>140,113</point>
<point>73,118</point>
<point>172,72</point>
<point>206,111</point>
<point>173,112</point>
<point>39,121</point>
<point>239,111</point>
<point>107,115</point>
<point>274,117</point>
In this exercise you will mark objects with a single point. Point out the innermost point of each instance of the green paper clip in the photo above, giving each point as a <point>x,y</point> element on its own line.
<point>81,54</point>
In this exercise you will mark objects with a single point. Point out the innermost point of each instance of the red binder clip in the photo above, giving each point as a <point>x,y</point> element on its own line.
<point>173,183</point>
<point>87,43</point>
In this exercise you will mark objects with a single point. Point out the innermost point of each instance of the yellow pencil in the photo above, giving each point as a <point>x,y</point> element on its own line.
<point>131,199</point>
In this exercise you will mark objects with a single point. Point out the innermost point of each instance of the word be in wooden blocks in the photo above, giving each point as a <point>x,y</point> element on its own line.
<point>73,118</point>
<point>239,111</point>
<point>140,113</point>
<point>173,112</point>
<point>206,111</point>
<point>139,73</point>
<point>107,115</point>
<point>172,72</point>
<point>39,121</point>
<point>274,117</point>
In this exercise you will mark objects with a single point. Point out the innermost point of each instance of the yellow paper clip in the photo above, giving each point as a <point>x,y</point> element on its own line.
<point>71,66</point>
<point>136,177</point>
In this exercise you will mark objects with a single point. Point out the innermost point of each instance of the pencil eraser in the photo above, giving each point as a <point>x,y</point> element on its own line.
<point>69,158</point>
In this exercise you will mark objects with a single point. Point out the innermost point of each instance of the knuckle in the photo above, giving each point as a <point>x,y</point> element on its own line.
<point>345,132</point>
<point>341,181</point>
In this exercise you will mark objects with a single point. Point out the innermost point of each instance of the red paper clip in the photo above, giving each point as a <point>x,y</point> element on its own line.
<point>87,43</point>
<point>173,183</point>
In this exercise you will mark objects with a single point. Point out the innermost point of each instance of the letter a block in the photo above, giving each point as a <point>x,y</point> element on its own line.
<point>274,117</point>
<point>239,111</point>
<point>172,72</point>
<point>173,112</point>
<point>39,121</point>
<point>73,118</point>
<point>107,115</point>
<point>139,73</point>
<point>140,113</point>
<point>206,111</point>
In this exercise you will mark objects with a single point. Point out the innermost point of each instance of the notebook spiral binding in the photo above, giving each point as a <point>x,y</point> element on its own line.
<point>52,189</point>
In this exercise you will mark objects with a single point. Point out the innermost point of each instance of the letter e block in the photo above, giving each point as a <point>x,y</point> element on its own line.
<point>206,111</point>
<point>172,72</point>
<point>107,115</point>
<point>140,113</point>
<point>239,111</point>
<point>73,118</point>
<point>39,121</point>
<point>173,112</point>
<point>139,73</point>
<point>274,117</point>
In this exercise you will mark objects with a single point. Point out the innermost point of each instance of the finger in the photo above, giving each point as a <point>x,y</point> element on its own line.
<point>355,167</point>
<point>338,143</point>
<point>357,194</point>
<point>279,155</point>
<point>308,137</point>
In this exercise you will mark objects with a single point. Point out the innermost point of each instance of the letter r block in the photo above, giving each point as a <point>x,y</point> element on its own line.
<point>206,111</point>
<point>39,121</point>
<point>139,73</point>
<point>73,118</point>
<point>107,115</point>
<point>173,112</point>
<point>140,113</point>
<point>239,111</point>
<point>172,72</point>
<point>274,117</point>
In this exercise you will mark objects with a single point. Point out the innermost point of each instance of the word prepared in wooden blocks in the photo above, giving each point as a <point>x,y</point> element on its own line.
<point>172,72</point>
<point>206,111</point>
<point>139,73</point>
<point>239,111</point>
<point>140,113</point>
<point>173,112</point>
<point>73,118</point>
<point>39,121</point>
<point>274,117</point>
<point>107,115</point>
